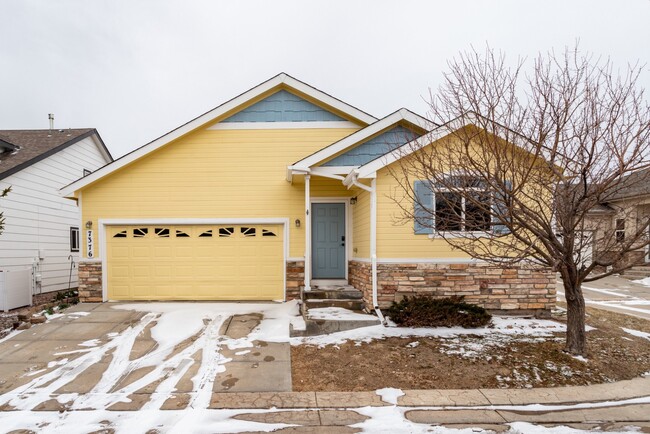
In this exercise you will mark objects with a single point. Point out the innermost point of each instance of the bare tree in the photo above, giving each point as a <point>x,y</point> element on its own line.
<point>526,158</point>
<point>3,193</point>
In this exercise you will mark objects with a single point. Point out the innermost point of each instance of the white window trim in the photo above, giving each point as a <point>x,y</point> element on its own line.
<point>78,239</point>
<point>103,223</point>
<point>462,233</point>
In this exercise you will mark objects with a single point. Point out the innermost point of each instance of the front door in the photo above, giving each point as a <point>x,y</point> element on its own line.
<point>328,240</point>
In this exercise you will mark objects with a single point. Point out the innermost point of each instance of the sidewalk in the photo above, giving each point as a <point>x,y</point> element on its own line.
<point>605,406</point>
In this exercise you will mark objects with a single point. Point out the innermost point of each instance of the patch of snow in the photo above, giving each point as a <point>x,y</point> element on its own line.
<point>11,335</point>
<point>32,373</point>
<point>65,353</point>
<point>338,313</point>
<point>90,343</point>
<point>79,313</point>
<point>112,334</point>
<point>644,282</point>
<point>54,363</point>
<point>504,326</point>
<point>637,333</point>
<point>389,394</point>
<point>64,398</point>
<point>298,323</point>
<point>53,316</point>
<point>582,359</point>
<point>413,344</point>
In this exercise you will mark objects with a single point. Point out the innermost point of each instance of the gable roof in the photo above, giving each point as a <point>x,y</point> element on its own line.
<point>26,147</point>
<point>280,81</point>
<point>369,169</point>
<point>358,137</point>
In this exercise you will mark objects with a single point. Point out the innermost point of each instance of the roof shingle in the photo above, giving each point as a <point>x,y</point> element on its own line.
<point>33,145</point>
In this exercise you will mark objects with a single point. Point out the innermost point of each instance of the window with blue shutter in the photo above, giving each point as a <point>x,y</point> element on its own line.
<point>449,211</point>
<point>423,211</point>
<point>500,210</point>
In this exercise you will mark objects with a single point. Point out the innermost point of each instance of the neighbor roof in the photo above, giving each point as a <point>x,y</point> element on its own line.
<point>26,147</point>
<point>634,184</point>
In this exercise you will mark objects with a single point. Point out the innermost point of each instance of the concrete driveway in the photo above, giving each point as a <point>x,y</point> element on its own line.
<point>615,294</point>
<point>125,356</point>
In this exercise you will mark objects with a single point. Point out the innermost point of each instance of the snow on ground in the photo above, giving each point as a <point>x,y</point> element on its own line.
<point>645,282</point>
<point>390,394</point>
<point>501,326</point>
<point>637,333</point>
<point>338,313</point>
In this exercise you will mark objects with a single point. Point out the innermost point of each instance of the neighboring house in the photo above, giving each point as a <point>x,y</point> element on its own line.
<point>276,191</point>
<point>42,229</point>
<point>623,214</point>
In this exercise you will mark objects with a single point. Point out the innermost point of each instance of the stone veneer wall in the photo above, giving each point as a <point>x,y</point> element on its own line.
<point>295,279</point>
<point>90,281</point>
<point>502,290</point>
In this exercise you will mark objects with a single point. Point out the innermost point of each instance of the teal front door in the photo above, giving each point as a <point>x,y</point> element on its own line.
<point>328,240</point>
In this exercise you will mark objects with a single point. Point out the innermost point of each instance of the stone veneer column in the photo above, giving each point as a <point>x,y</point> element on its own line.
<point>90,281</point>
<point>295,279</point>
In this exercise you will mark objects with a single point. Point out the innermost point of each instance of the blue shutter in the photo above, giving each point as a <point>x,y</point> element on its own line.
<point>500,208</point>
<point>423,211</point>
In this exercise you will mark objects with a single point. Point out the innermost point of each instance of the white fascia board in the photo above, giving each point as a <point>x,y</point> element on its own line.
<point>332,170</point>
<point>370,169</point>
<point>101,148</point>
<point>210,116</point>
<point>370,130</point>
<point>328,99</point>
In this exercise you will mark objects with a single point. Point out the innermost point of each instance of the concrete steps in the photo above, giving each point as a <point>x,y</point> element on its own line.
<point>331,309</point>
<point>637,272</point>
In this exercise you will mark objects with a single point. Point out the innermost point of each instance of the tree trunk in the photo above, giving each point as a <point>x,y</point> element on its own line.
<point>576,339</point>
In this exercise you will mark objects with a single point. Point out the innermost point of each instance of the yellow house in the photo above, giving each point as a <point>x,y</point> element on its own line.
<point>279,190</point>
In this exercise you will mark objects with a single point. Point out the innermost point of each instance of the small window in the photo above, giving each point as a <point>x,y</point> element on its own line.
<point>206,234</point>
<point>619,233</point>
<point>120,234</point>
<point>181,234</point>
<point>140,232</point>
<point>162,232</point>
<point>74,239</point>
<point>268,233</point>
<point>248,232</point>
<point>226,232</point>
<point>87,172</point>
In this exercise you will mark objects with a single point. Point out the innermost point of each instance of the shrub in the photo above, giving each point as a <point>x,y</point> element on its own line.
<point>427,311</point>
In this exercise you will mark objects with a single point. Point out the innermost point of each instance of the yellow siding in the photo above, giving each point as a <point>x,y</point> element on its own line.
<point>396,238</point>
<point>361,225</point>
<point>216,174</point>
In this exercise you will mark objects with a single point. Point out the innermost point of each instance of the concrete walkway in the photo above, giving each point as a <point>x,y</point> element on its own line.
<point>605,407</point>
<point>615,294</point>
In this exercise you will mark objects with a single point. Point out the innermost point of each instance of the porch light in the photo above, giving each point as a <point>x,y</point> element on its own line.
<point>89,224</point>
<point>353,200</point>
<point>297,223</point>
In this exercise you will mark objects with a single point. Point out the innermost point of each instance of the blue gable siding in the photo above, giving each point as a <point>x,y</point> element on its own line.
<point>283,106</point>
<point>374,148</point>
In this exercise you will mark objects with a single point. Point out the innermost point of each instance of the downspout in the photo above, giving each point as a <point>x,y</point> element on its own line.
<point>307,235</point>
<point>373,241</point>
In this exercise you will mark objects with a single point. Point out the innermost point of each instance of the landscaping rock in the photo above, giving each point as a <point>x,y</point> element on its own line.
<point>24,326</point>
<point>37,319</point>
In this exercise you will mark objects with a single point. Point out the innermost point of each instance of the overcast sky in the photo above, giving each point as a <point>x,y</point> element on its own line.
<point>137,69</point>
